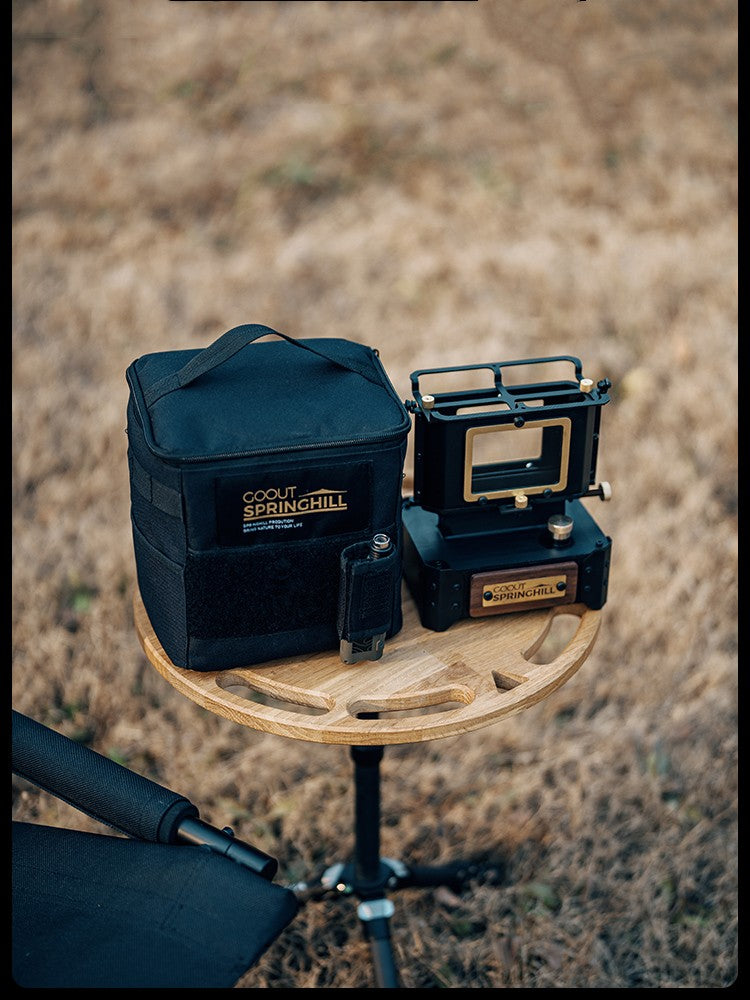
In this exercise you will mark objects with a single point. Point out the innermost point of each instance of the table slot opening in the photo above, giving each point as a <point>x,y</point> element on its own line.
<point>505,681</point>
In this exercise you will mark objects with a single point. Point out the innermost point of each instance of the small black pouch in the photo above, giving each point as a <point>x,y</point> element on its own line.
<point>253,467</point>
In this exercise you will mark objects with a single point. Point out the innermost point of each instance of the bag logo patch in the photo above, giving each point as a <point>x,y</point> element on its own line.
<point>284,502</point>
<point>277,506</point>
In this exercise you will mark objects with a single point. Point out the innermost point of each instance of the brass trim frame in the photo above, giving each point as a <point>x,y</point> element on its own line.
<point>562,482</point>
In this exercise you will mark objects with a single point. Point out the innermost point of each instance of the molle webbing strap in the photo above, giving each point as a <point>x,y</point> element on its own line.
<point>163,497</point>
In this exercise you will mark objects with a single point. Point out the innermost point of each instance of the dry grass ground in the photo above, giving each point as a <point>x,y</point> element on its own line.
<point>452,183</point>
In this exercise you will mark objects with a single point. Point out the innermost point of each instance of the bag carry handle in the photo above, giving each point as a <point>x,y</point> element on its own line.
<point>226,347</point>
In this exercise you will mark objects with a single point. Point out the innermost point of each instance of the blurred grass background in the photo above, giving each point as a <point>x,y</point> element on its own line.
<point>450,183</point>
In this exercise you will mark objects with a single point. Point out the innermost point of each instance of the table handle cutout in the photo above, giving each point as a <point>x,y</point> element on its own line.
<point>415,703</point>
<point>559,631</point>
<point>291,700</point>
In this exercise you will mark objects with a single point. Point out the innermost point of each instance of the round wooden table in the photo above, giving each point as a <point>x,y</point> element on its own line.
<point>427,685</point>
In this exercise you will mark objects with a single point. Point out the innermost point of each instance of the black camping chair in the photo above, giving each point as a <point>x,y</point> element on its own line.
<point>181,904</point>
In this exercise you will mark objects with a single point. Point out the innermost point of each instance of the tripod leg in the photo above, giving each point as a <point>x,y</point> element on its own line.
<point>455,875</point>
<point>375,915</point>
<point>370,874</point>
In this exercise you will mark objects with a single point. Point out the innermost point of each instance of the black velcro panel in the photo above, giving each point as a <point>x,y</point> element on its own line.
<point>263,590</point>
<point>160,581</point>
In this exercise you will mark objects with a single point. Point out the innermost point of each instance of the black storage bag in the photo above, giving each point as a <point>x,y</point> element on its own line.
<point>252,467</point>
